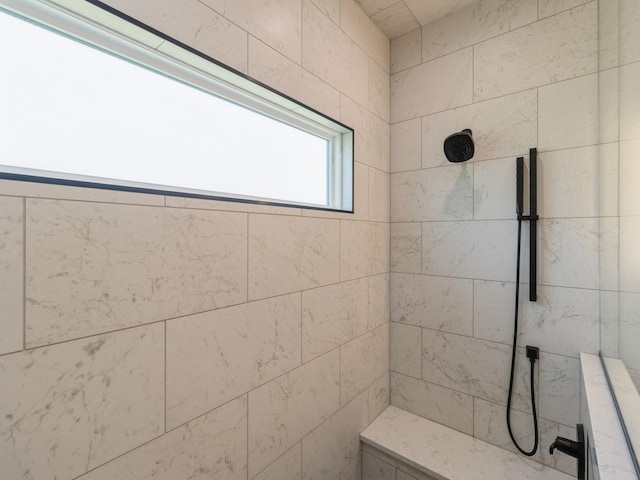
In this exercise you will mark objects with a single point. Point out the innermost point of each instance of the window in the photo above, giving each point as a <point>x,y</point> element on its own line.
<point>88,106</point>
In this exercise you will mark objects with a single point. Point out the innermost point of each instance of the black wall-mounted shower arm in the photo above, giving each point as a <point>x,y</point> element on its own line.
<point>532,218</point>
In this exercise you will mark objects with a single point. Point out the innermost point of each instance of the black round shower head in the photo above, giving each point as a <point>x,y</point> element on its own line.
<point>459,146</point>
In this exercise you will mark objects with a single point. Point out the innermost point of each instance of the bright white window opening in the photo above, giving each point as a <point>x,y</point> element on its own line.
<point>72,112</point>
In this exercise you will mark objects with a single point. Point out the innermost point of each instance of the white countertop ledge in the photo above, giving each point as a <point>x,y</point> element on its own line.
<point>601,421</point>
<point>447,454</point>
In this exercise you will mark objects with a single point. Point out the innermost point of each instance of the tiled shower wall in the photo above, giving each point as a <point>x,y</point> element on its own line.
<point>165,338</point>
<point>519,74</point>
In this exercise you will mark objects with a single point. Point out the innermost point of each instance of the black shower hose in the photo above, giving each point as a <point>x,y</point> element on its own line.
<point>513,365</point>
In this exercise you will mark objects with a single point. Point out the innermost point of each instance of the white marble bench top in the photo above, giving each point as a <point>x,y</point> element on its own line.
<point>447,454</point>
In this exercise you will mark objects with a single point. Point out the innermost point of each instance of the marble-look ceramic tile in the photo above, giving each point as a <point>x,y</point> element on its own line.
<point>469,365</point>
<point>11,274</point>
<point>609,105</point>
<point>379,95</point>
<point>406,146</point>
<point>568,255</point>
<point>330,8</point>
<point>490,426</point>
<point>635,377</point>
<point>493,310</point>
<point>396,20</point>
<point>353,470</point>
<point>404,476</point>
<point>610,323</point>
<point>494,189</point>
<point>288,254</point>
<point>79,404</point>
<point>559,388</point>
<point>330,54</point>
<point>63,192</point>
<point>629,254</point>
<point>379,196</point>
<point>364,249</point>
<point>192,23</point>
<point>371,7</point>
<point>285,410</point>
<point>281,73</point>
<point>287,467</point>
<point>406,247</point>
<point>379,300</point>
<point>546,8</point>
<point>276,22</point>
<point>629,31</point>
<point>629,169</point>
<point>333,315</point>
<point>433,194</point>
<point>630,329</point>
<point>438,303</point>
<point>362,362</point>
<point>448,80</point>
<point>92,268</point>
<point>609,253</point>
<point>483,250</point>
<point>608,34</point>
<point>425,12</point>
<point>406,51</point>
<point>570,183</point>
<point>551,50</point>
<point>375,469</point>
<point>330,448</point>
<point>372,143</point>
<point>475,23</point>
<point>630,102</point>
<point>562,320</point>
<point>379,393</point>
<point>569,113</point>
<point>230,206</point>
<point>212,446</point>
<point>357,25</point>
<point>442,405</point>
<point>609,173</point>
<point>502,127</point>
<point>406,349</point>
<point>208,362</point>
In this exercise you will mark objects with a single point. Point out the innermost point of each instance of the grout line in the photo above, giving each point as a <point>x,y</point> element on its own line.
<point>165,376</point>
<point>24,273</point>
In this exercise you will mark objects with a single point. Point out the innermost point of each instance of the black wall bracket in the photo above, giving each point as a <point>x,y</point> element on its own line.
<point>532,218</point>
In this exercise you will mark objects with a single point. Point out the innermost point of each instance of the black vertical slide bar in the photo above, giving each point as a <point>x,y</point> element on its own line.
<point>519,187</point>
<point>533,224</point>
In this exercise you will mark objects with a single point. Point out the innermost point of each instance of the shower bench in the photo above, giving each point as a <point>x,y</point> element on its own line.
<point>399,445</point>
